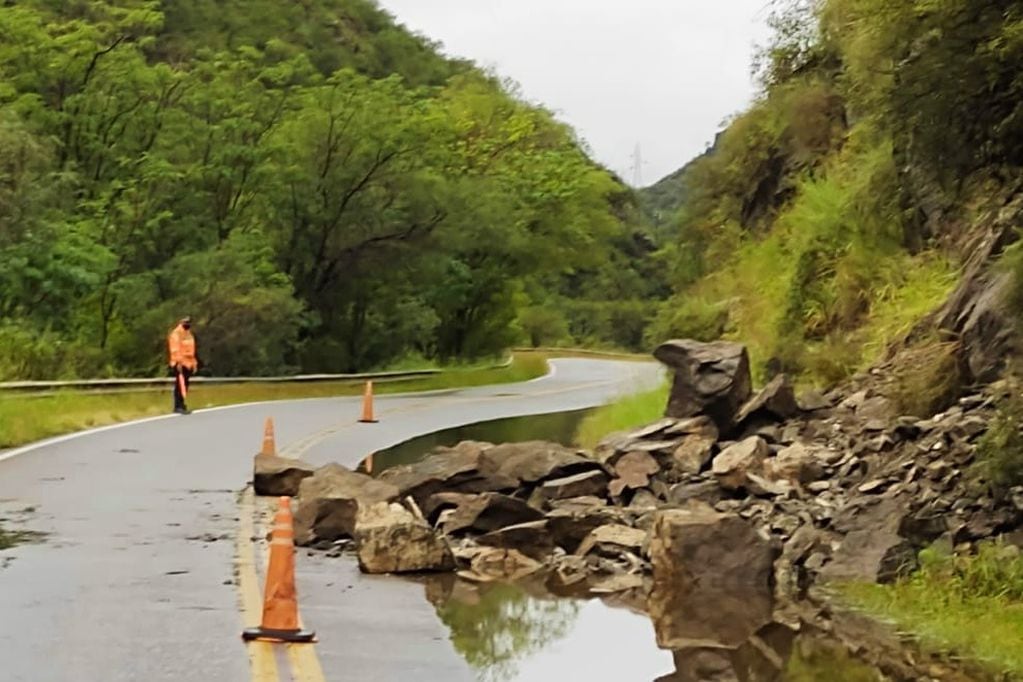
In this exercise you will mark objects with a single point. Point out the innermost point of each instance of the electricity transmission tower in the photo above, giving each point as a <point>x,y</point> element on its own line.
<point>637,167</point>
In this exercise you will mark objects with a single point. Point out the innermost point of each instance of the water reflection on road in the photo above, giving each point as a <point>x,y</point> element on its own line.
<point>518,633</point>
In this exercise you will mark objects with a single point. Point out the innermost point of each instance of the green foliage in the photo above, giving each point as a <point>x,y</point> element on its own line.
<point>1000,450</point>
<point>629,412</point>
<point>970,603</point>
<point>315,185</point>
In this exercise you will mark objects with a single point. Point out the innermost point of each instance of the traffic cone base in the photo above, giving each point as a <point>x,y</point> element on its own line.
<point>280,622</point>
<point>271,635</point>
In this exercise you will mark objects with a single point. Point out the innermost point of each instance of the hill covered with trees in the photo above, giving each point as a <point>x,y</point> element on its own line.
<point>319,188</point>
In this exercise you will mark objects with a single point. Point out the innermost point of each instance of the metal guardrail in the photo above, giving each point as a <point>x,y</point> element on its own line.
<point>157,382</point>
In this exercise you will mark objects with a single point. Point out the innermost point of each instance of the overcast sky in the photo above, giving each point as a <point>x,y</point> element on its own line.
<point>663,74</point>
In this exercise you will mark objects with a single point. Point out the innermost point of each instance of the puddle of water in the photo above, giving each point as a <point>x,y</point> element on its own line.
<point>516,633</point>
<point>559,427</point>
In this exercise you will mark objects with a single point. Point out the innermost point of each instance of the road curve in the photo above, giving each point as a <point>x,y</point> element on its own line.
<point>137,578</point>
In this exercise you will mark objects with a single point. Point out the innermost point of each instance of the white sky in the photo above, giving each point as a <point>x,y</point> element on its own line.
<point>660,73</point>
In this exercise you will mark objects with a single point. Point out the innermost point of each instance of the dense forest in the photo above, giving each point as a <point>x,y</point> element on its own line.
<point>317,187</point>
<point>837,212</point>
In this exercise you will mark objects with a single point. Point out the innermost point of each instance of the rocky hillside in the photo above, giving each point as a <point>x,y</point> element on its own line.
<point>737,501</point>
<point>874,181</point>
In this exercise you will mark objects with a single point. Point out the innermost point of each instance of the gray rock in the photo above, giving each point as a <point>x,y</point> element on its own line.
<point>611,539</point>
<point>710,378</point>
<point>732,464</point>
<point>279,476</point>
<point>797,463</point>
<point>586,484</point>
<point>532,539</point>
<point>533,462</point>
<point>634,470</point>
<point>488,512</point>
<point>812,401</point>
<point>447,470</point>
<point>329,500</point>
<point>695,452</point>
<point>392,540</point>
<point>872,549</point>
<point>706,548</point>
<point>705,491</point>
<point>777,400</point>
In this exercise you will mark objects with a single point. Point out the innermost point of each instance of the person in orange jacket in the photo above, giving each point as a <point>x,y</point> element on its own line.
<point>183,361</point>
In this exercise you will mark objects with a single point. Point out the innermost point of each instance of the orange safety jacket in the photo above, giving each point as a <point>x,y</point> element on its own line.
<point>181,348</point>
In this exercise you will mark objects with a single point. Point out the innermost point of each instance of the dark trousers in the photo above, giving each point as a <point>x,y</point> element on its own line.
<point>179,400</point>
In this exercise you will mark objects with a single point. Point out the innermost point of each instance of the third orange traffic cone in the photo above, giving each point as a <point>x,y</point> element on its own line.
<point>269,443</point>
<point>280,606</point>
<point>367,405</point>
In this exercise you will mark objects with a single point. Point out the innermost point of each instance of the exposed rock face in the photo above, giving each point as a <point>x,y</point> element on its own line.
<point>734,464</point>
<point>392,540</point>
<point>278,476</point>
<point>330,499</point>
<point>710,378</point>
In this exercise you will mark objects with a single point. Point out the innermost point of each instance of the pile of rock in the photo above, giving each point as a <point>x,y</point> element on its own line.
<point>763,488</point>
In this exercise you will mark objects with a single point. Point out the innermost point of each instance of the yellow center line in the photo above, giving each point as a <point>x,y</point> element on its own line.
<point>261,654</point>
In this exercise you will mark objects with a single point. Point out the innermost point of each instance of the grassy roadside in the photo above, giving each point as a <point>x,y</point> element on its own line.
<point>28,419</point>
<point>972,605</point>
<point>626,413</point>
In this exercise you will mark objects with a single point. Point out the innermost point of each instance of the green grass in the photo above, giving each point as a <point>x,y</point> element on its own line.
<point>627,413</point>
<point>971,605</point>
<point>28,419</point>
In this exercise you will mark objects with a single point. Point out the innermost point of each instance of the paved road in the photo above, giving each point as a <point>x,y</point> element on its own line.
<point>138,578</point>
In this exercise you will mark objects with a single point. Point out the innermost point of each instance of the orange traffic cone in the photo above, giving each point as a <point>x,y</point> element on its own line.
<point>280,604</point>
<point>367,405</point>
<point>269,443</point>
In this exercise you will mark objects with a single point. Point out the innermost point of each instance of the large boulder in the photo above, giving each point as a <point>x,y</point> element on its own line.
<point>534,462</point>
<point>713,579</point>
<point>446,470</point>
<point>329,500</point>
<point>710,378</point>
<point>488,512</point>
<point>735,463</point>
<point>392,540</point>
<point>278,476</point>
<point>702,547</point>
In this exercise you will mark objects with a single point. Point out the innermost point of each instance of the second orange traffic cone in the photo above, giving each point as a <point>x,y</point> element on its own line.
<point>367,405</point>
<point>280,605</point>
<point>269,443</point>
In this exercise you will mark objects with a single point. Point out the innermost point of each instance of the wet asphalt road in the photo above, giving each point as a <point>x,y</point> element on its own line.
<point>136,578</point>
